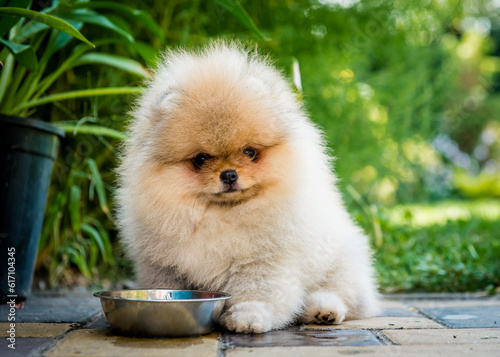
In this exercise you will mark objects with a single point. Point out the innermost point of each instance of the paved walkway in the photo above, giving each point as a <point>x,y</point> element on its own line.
<point>410,325</point>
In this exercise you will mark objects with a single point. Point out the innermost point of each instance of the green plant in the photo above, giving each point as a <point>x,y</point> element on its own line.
<point>33,39</point>
<point>80,89</point>
<point>72,232</point>
<point>382,78</point>
<point>448,246</point>
<point>41,49</point>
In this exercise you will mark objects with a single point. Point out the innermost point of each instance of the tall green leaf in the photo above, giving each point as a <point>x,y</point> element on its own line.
<point>6,75</point>
<point>68,62</point>
<point>99,185</point>
<point>24,54</point>
<point>29,29</point>
<point>123,63</point>
<point>84,93</point>
<point>7,22</point>
<point>106,239</point>
<point>92,130</point>
<point>74,207</point>
<point>147,52</point>
<point>234,8</point>
<point>94,234</point>
<point>137,15</point>
<point>50,20</point>
<point>92,17</point>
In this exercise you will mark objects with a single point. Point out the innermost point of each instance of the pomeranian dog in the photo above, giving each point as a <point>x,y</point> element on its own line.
<point>225,185</point>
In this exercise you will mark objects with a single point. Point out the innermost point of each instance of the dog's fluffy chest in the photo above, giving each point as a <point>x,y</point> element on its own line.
<point>214,247</point>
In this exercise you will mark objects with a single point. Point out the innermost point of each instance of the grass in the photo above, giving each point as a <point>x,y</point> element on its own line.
<point>450,246</point>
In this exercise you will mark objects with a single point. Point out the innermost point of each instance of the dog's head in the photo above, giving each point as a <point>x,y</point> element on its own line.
<point>220,129</point>
<point>225,141</point>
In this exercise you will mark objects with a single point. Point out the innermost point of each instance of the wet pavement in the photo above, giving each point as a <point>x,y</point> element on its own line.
<point>466,317</point>
<point>410,325</point>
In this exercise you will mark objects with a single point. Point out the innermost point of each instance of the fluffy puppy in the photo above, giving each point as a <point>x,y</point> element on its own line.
<point>225,185</point>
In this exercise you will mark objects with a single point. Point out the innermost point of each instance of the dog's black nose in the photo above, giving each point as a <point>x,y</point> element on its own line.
<point>229,176</point>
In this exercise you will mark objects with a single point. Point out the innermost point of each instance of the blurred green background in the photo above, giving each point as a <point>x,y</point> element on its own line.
<point>407,93</point>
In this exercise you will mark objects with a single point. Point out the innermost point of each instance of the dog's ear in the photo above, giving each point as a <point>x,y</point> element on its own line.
<point>257,84</point>
<point>164,99</point>
<point>164,104</point>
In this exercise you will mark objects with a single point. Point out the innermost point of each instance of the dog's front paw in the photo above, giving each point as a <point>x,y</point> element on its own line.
<point>248,317</point>
<point>324,307</point>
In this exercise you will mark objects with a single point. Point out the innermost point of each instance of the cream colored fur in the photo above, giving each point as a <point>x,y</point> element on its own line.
<point>283,245</point>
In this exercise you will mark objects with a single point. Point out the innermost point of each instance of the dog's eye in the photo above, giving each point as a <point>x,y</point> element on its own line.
<point>199,160</point>
<point>251,153</point>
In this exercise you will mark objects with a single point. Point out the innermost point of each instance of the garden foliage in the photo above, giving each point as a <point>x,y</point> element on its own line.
<point>407,93</point>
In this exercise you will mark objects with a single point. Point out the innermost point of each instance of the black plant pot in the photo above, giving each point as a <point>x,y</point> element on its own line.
<point>28,148</point>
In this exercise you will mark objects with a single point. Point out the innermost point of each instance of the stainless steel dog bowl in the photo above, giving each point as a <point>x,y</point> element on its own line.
<point>162,312</point>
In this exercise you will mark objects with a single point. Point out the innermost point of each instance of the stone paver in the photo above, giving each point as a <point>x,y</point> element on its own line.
<point>98,322</point>
<point>445,336</point>
<point>397,309</point>
<point>409,325</point>
<point>33,329</point>
<point>466,317</point>
<point>289,338</point>
<point>396,312</point>
<point>381,323</point>
<point>102,342</point>
<point>25,347</point>
<point>422,304</point>
<point>379,351</point>
<point>57,309</point>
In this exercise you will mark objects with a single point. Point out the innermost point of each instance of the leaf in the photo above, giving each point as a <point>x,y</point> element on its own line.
<point>147,52</point>
<point>50,20</point>
<point>137,15</point>
<point>71,251</point>
<point>92,17</point>
<point>60,39</point>
<point>80,259</point>
<point>296,77</point>
<point>55,242</point>
<point>84,93</point>
<point>52,220</point>
<point>6,77</point>
<point>94,253</point>
<point>74,207</point>
<point>68,62</point>
<point>92,130</point>
<point>24,54</point>
<point>99,185</point>
<point>121,23</point>
<point>106,240</point>
<point>7,22</point>
<point>123,63</point>
<point>472,251</point>
<point>29,29</point>
<point>234,8</point>
<point>94,234</point>
<point>150,23</point>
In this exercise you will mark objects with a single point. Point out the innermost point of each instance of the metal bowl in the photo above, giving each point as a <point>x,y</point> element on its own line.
<point>162,312</point>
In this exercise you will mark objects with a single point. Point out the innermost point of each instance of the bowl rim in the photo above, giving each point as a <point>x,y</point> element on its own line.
<point>221,295</point>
